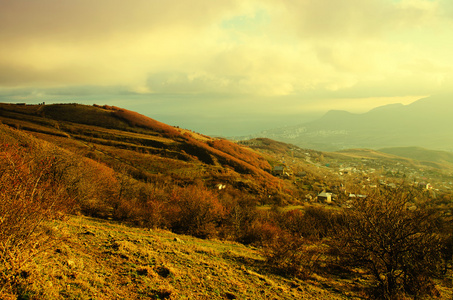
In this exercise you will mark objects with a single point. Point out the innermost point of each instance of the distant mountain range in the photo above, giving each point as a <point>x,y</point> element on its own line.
<point>427,123</point>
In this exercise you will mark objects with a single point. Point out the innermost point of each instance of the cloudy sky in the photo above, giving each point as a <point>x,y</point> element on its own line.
<point>226,66</point>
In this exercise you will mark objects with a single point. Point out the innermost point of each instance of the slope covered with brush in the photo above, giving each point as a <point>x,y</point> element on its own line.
<point>112,134</point>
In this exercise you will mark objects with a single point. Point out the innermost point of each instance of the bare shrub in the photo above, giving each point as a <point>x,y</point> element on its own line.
<point>142,204</point>
<point>296,248</point>
<point>321,222</point>
<point>154,214</point>
<point>28,197</point>
<point>313,223</point>
<point>241,212</point>
<point>261,232</point>
<point>398,246</point>
<point>194,210</point>
<point>291,255</point>
<point>92,184</point>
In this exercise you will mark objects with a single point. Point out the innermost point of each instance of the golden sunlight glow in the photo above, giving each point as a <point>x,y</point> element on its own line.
<point>356,55</point>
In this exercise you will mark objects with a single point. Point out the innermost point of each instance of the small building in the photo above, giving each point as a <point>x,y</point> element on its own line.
<point>425,186</point>
<point>301,174</point>
<point>325,197</point>
<point>357,196</point>
<point>391,185</point>
<point>220,186</point>
<point>278,170</point>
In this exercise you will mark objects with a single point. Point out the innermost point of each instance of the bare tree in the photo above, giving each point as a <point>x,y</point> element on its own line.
<point>394,240</point>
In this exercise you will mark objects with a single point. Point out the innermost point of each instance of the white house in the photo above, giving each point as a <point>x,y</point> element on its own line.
<point>325,197</point>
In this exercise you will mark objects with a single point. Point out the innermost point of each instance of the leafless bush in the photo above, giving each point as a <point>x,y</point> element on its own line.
<point>194,210</point>
<point>398,246</point>
<point>261,232</point>
<point>292,255</point>
<point>28,197</point>
<point>91,184</point>
<point>313,223</point>
<point>241,213</point>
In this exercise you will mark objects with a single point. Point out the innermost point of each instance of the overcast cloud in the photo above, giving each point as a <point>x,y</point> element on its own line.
<point>245,62</point>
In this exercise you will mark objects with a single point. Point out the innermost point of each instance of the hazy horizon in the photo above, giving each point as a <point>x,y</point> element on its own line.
<point>226,67</point>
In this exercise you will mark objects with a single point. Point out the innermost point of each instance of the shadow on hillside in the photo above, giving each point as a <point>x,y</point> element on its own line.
<point>334,278</point>
<point>253,263</point>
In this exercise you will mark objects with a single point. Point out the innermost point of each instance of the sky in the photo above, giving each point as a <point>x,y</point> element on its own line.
<point>226,67</point>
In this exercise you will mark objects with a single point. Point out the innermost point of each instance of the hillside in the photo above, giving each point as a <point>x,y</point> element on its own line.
<point>422,154</point>
<point>68,256</point>
<point>424,123</point>
<point>93,259</point>
<point>151,151</point>
<point>127,140</point>
<point>116,205</point>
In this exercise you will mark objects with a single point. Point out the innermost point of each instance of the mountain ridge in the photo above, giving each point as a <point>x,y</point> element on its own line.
<point>423,123</point>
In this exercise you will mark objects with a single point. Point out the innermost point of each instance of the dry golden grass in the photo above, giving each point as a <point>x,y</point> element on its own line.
<point>195,135</point>
<point>30,126</point>
<point>136,119</point>
<point>124,134</point>
<point>96,259</point>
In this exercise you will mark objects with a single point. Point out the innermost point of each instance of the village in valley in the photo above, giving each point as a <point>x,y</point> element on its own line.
<point>337,178</point>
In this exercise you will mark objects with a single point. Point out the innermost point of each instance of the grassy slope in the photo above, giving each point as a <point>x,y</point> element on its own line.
<point>413,156</point>
<point>98,259</point>
<point>106,130</point>
<point>421,154</point>
<point>94,259</point>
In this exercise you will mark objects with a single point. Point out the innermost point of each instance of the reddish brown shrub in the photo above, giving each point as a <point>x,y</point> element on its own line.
<point>28,197</point>
<point>241,212</point>
<point>313,223</point>
<point>290,255</point>
<point>142,204</point>
<point>194,210</point>
<point>261,232</point>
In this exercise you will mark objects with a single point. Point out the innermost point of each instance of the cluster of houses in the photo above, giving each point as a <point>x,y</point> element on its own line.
<point>367,174</point>
<point>329,198</point>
